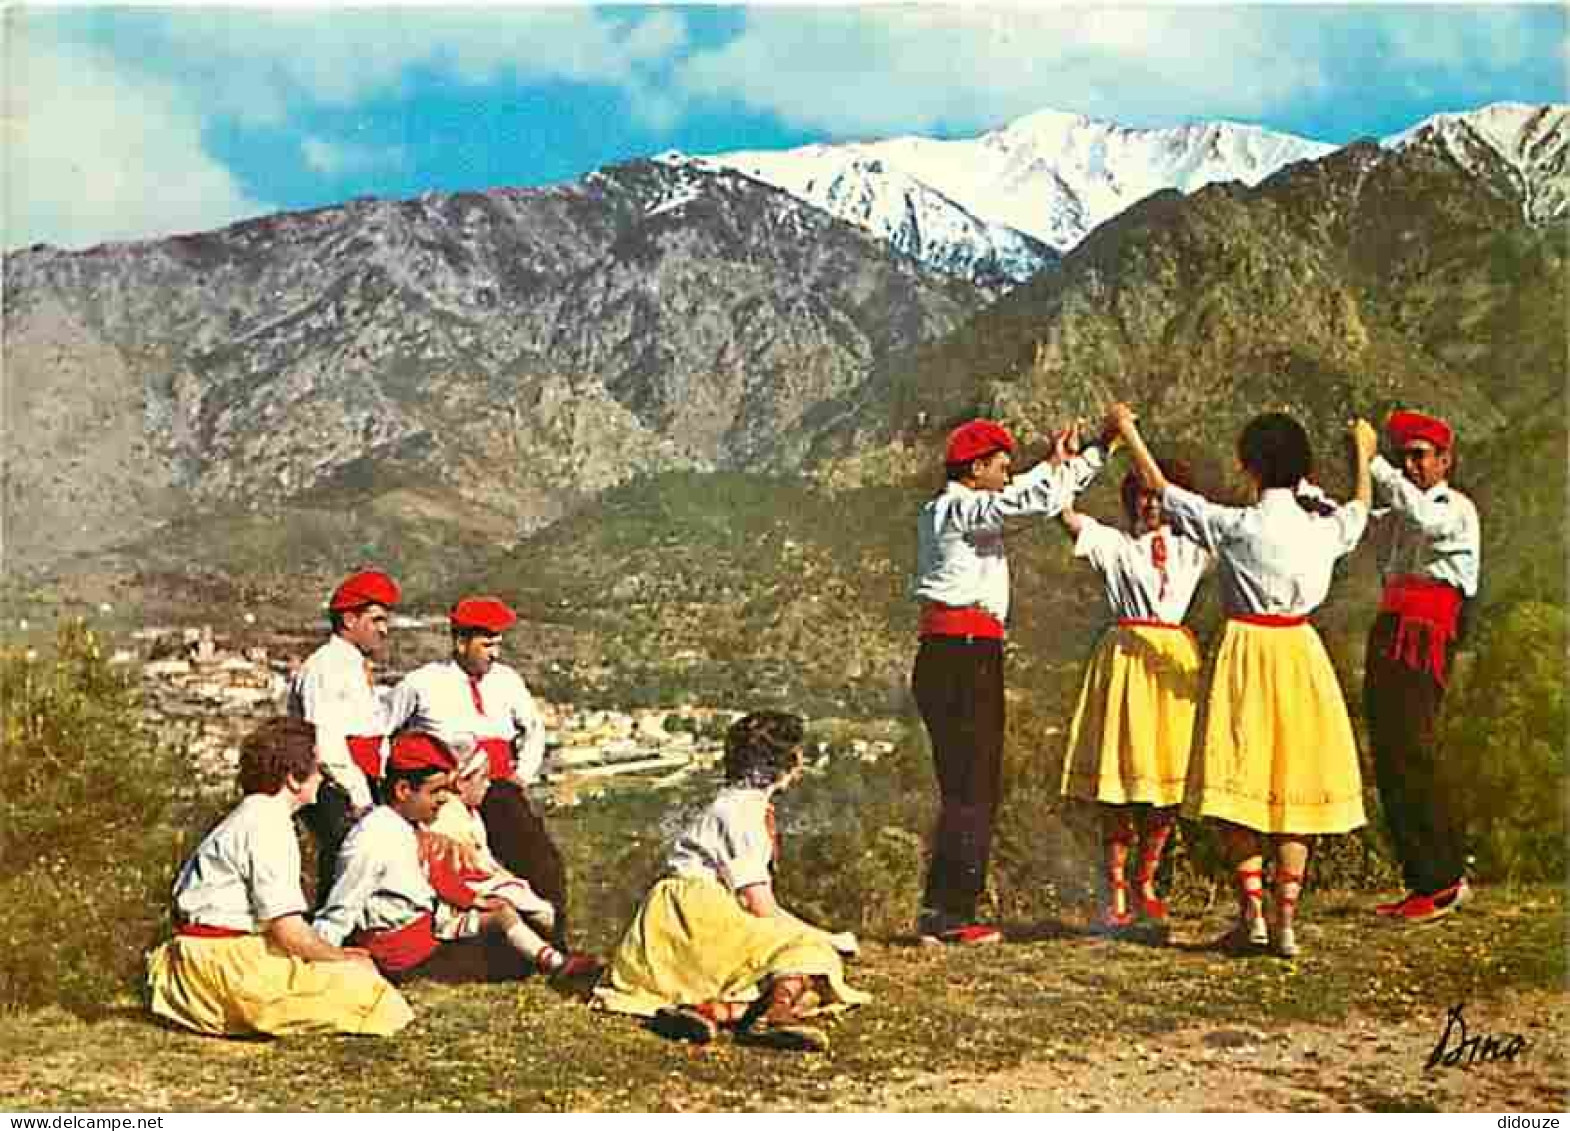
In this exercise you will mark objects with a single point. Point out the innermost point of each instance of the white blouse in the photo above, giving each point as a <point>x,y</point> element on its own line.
<point>729,841</point>
<point>246,871</point>
<point>1127,566</point>
<point>1274,557</point>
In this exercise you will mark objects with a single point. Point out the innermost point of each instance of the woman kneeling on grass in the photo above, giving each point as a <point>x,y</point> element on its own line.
<point>243,960</point>
<point>710,946</point>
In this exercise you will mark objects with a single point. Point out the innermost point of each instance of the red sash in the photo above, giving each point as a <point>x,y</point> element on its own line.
<point>499,751</point>
<point>1268,620</point>
<point>1424,608</point>
<point>947,620</point>
<point>366,750</point>
<point>402,949</point>
<point>203,931</point>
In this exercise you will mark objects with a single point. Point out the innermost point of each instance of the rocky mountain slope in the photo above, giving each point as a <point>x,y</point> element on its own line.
<point>1531,141</point>
<point>515,351</point>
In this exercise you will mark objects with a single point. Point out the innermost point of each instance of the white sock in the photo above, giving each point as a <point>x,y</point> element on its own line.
<point>527,943</point>
<point>549,959</point>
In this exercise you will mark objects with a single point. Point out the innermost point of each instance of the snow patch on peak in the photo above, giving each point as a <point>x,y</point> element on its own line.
<point>1533,141</point>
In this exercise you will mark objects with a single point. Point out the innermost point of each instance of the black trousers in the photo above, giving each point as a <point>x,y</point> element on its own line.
<point>523,845</point>
<point>1402,705</point>
<point>958,685</point>
<point>329,822</point>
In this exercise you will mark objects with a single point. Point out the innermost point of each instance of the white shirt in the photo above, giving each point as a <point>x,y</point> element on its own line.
<point>959,534</point>
<point>436,699</point>
<point>1128,570</point>
<point>1433,533</point>
<point>380,884</point>
<point>1275,558</point>
<point>330,691</point>
<point>729,842</point>
<point>246,871</point>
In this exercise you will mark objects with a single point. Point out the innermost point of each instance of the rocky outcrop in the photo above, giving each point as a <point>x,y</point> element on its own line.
<point>520,349</point>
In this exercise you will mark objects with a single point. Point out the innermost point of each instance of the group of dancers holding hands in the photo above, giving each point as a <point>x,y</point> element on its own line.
<point>1260,739</point>
<point>432,861</point>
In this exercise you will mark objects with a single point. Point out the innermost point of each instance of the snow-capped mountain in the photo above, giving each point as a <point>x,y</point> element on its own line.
<point>1532,141</point>
<point>1046,179</point>
<point>894,206</point>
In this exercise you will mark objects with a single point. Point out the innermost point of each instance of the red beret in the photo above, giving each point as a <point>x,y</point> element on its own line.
<point>415,750</point>
<point>484,613</point>
<point>977,439</point>
<point>368,587</point>
<point>1404,427</point>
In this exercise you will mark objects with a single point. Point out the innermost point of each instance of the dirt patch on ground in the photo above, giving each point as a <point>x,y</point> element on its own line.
<point>1360,1064</point>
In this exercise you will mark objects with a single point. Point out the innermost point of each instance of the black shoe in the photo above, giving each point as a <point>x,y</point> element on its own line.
<point>684,1023</point>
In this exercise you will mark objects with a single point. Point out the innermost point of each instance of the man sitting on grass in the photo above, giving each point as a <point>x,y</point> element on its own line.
<point>383,898</point>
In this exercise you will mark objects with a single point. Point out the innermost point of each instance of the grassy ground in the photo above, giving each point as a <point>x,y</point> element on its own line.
<point>948,1029</point>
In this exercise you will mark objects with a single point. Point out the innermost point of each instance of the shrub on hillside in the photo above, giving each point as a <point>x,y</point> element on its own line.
<point>1503,744</point>
<point>87,848</point>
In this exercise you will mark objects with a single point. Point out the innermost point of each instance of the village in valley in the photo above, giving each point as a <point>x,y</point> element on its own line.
<point>204,689</point>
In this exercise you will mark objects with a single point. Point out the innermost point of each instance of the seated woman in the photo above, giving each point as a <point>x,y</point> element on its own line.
<point>710,945</point>
<point>243,960</point>
<point>456,852</point>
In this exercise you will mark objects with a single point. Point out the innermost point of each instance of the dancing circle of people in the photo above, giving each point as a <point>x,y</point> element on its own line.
<point>433,862</point>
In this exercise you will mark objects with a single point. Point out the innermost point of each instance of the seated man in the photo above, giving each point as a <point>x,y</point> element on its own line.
<point>383,898</point>
<point>243,960</point>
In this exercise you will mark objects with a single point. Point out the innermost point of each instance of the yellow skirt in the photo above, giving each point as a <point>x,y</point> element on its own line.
<point>1277,753</point>
<point>244,986</point>
<point>1134,726</point>
<point>692,942</point>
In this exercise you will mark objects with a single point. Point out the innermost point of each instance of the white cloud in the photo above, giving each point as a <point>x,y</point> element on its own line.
<point>901,69</point>
<point>92,154</point>
<point>257,66</point>
<point>336,158</point>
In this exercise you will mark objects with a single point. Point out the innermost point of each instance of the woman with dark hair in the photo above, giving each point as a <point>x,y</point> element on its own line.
<point>1277,757</point>
<point>710,946</point>
<point>1128,747</point>
<point>244,960</point>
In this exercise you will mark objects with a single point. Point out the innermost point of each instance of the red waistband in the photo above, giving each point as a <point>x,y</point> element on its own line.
<point>1268,620</point>
<point>1425,608</point>
<point>366,750</point>
<point>402,948</point>
<point>499,751</point>
<point>203,931</point>
<point>948,620</point>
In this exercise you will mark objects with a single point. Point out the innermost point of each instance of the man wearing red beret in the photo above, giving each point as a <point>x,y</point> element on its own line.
<point>335,689</point>
<point>962,582</point>
<point>384,899</point>
<point>473,696</point>
<point>1430,566</point>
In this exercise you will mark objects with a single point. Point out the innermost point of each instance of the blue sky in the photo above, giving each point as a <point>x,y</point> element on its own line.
<point>124,123</point>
